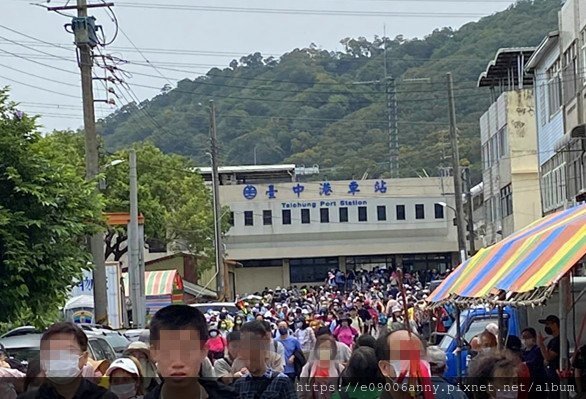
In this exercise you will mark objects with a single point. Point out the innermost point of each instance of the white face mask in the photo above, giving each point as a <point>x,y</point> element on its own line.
<point>124,391</point>
<point>62,367</point>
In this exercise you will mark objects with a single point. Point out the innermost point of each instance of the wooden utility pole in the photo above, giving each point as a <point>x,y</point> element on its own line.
<point>456,170</point>
<point>218,244</point>
<point>84,30</point>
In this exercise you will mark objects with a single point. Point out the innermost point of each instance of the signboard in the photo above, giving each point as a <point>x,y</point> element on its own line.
<point>326,189</point>
<point>85,287</point>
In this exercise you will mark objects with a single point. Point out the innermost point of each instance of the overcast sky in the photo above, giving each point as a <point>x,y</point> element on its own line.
<point>206,33</point>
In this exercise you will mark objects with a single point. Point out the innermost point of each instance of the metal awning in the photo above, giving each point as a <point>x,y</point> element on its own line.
<point>508,69</point>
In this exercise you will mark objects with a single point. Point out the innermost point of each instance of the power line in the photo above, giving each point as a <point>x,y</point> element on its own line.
<point>281,11</point>
<point>40,88</point>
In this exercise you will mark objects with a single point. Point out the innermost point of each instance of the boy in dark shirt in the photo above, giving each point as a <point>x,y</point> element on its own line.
<point>178,346</point>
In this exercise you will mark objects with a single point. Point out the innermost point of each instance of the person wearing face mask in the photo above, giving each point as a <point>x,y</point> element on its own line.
<point>63,353</point>
<point>216,345</point>
<point>345,333</point>
<point>238,321</point>
<point>400,355</point>
<point>291,345</point>
<point>533,358</point>
<point>322,371</point>
<point>551,351</point>
<point>141,352</point>
<point>125,378</point>
<point>306,337</point>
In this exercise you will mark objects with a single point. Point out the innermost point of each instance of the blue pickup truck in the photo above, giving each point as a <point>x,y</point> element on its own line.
<point>473,321</point>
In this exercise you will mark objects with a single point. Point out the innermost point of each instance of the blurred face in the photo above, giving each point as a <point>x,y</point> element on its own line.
<point>178,355</point>
<point>324,351</point>
<point>234,349</point>
<point>405,351</point>
<point>62,357</point>
<point>253,351</point>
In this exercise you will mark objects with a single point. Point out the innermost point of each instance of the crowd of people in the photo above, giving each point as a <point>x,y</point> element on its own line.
<point>358,339</point>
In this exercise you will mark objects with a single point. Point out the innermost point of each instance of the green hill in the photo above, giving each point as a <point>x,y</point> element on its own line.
<point>304,107</point>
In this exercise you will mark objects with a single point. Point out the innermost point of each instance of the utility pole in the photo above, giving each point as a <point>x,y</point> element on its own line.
<point>470,211</point>
<point>456,170</point>
<point>85,39</point>
<point>134,274</point>
<point>218,245</point>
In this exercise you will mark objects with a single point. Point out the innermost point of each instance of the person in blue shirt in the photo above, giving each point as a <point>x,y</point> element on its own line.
<point>290,344</point>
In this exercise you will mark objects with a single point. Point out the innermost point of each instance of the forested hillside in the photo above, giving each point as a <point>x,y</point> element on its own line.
<point>306,107</point>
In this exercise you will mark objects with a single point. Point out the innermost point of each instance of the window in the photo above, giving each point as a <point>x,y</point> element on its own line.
<point>381,213</point>
<point>324,215</point>
<point>305,216</point>
<point>503,142</point>
<point>400,212</point>
<point>343,215</point>
<point>267,217</point>
<point>506,201</point>
<point>554,88</point>
<point>362,214</point>
<point>231,219</point>
<point>286,216</point>
<point>570,74</point>
<point>311,269</point>
<point>248,218</point>
<point>439,211</point>
<point>583,54</point>
<point>419,211</point>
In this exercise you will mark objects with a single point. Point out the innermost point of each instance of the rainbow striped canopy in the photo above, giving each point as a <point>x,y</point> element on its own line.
<point>162,282</point>
<point>535,257</point>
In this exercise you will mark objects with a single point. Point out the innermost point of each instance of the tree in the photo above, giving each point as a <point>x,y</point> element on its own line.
<point>173,198</point>
<point>46,211</point>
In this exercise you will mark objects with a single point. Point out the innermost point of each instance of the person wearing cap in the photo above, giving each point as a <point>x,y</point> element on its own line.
<point>125,378</point>
<point>438,365</point>
<point>551,351</point>
<point>141,352</point>
<point>345,333</point>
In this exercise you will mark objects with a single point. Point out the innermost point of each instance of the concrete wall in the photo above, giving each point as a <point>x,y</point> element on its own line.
<point>252,279</point>
<point>524,161</point>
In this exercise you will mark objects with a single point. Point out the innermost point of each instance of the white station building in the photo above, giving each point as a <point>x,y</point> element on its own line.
<point>287,231</point>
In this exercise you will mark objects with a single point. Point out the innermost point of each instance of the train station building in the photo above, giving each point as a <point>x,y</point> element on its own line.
<point>288,228</point>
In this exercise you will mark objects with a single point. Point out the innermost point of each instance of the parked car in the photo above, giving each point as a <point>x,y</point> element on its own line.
<point>217,307</point>
<point>116,339</point>
<point>134,335</point>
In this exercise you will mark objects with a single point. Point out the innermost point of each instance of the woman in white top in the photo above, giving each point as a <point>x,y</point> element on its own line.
<point>322,371</point>
<point>305,336</point>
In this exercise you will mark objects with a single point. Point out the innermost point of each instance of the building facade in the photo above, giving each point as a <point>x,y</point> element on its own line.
<point>558,68</point>
<point>509,147</point>
<point>293,233</point>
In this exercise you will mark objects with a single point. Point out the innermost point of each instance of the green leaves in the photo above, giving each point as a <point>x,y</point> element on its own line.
<point>46,209</point>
